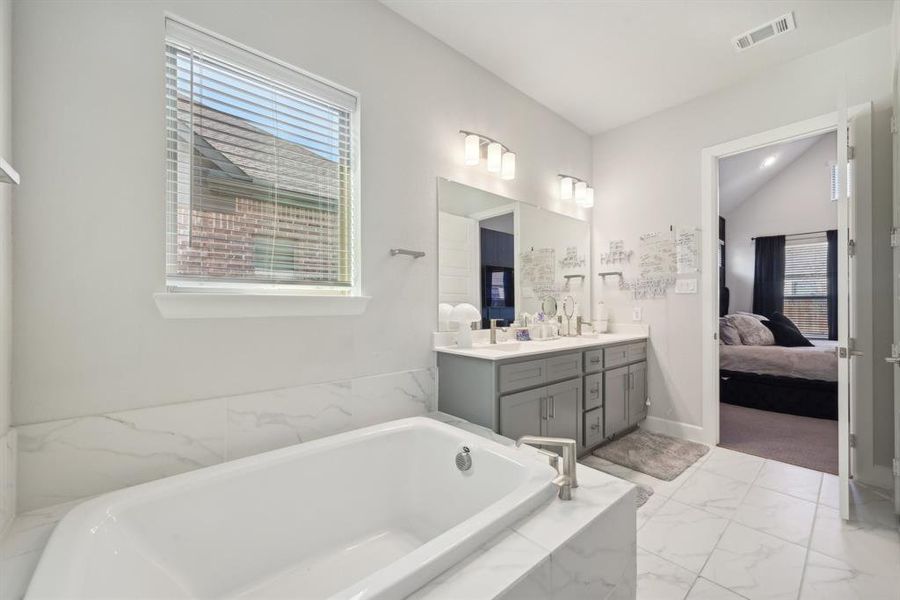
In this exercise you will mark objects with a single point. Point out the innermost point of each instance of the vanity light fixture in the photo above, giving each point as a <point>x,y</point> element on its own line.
<point>580,192</point>
<point>500,159</point>
<point>508,166</point>
<point>494,152</point>
<point>573,187</point>
<point>473,149</point>
<point>588,201</point>
<point>565,187</point>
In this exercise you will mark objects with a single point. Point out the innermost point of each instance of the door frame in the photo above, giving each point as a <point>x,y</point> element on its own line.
<point>709,158</point>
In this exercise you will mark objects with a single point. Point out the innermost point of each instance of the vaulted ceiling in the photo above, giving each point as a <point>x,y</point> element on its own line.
<point>602,64</point>
<point>742,175</point>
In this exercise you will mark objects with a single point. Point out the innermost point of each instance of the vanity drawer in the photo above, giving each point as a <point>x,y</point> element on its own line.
<point>593,360</point>
<point>522,375</point>
<point>593,391</point>
<point>637,352</point>
<point>615,356</point>
<point>563,367</point>
<point>593,427</point>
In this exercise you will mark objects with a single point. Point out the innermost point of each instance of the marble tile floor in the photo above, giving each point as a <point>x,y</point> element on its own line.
<point>731,527</point>
<point>735,526</point>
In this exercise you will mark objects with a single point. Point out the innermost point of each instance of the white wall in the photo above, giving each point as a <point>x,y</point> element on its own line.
<point>88,94</point>
<point>7,443</point>
<point>5,212</point>
<point>647,177</point>
<point>796,200</point>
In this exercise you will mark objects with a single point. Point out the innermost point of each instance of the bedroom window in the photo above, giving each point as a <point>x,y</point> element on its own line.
<point>262,173</point>
<point>806,283</point>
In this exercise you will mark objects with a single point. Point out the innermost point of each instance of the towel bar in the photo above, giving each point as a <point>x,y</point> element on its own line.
<point>413,253</point>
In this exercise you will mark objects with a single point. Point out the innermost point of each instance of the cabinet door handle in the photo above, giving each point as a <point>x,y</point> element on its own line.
<point>595,360</point>
<point>552,407</point>
<point>596,391</point>
<point>595,426</point>
<point>543,409</point>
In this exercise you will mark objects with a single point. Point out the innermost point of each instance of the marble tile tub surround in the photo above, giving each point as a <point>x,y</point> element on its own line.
<point>60,461</point>
<point>7,478</point>
<point>735,526</point>
<point>564,550</point>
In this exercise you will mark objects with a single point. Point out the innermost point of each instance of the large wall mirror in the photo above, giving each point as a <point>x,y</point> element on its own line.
<point>506,258</point>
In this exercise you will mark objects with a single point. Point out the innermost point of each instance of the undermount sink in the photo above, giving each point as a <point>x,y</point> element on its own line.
<point>502,347</point>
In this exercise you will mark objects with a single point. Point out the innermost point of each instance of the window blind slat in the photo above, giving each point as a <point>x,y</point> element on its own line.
<point>806,284</point>
<point>259,173</point>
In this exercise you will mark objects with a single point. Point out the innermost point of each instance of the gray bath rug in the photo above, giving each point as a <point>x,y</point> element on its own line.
<point>643,494</point>
<point>656,455</point>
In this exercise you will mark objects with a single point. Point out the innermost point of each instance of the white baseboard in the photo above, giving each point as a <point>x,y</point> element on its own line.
<point>677,429</point>
<point>875,475</point>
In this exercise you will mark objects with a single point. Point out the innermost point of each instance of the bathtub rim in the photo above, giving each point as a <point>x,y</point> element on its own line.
<point>58,575</point>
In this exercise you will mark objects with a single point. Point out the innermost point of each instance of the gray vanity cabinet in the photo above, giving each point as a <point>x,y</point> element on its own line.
<point>562,412</point>
<point>523,413</point>
<point>589,395</point>
<point>637,393</point>
<point>550,411</point>
<point>593,391</point>
<point>615,400</point>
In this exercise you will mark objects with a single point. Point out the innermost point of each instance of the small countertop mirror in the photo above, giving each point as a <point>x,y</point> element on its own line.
<point>569,307</point>
<point>548,306</point>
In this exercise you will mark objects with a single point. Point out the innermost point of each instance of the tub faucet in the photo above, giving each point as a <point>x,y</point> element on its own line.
<point>567,479</point>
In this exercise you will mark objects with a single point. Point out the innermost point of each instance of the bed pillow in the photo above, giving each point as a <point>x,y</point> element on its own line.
<point>786,336</point>
<point>728,333</point>
<point>786,333</point>
<point>752,331</point>
<point>778,317</point>
<point>750,314</point>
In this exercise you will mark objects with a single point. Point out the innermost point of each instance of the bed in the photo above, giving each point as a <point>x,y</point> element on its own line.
<point>798,381</point>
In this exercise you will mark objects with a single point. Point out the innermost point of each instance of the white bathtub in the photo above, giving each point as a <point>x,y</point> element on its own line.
<point>372,513</point>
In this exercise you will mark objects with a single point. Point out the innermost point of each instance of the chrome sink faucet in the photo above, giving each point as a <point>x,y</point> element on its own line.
<point>567,478</point>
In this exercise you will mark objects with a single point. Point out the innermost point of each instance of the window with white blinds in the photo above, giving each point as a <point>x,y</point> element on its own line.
<point>262,172</point>
<point>806,283</point>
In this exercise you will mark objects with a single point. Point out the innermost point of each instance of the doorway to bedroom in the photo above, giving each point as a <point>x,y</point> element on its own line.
<point>778,295</point>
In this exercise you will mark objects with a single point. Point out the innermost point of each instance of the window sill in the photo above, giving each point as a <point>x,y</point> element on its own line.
<point>186,305</point>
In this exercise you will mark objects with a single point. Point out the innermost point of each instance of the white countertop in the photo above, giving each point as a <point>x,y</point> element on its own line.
<point>512,349</point>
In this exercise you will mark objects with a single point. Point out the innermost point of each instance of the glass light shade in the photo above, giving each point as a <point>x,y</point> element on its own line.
<point>588,200</point>
<point>508,166</point>
<point>580,191</point>
<point>565,188</point>
<point>473,149</point>
<point>493,157</point>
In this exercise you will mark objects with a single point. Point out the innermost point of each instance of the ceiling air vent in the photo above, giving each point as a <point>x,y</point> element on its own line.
<point>772,29</point>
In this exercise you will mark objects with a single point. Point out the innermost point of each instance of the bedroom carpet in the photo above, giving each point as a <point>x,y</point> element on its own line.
<point>801,441</point>
<point>656,455</point>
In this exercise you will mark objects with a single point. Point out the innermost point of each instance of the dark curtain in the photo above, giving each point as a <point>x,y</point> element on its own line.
<point>768,277</point>
<point>832,284</point>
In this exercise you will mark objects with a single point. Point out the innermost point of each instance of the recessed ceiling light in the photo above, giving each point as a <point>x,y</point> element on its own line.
<point>770,160</point>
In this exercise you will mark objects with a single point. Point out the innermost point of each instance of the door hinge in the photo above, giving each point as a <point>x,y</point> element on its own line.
<point>851,152</point>
<point>895,237</point>
<point>893,124</point>
<point>851,247</point>
<point>896,464</point>
<point>853,440</point>
<point>842,352</point>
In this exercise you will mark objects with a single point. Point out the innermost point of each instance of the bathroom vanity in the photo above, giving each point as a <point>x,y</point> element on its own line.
<point>589,388</point>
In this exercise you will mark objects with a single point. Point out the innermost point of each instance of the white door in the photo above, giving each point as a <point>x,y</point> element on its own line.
<point>458,260</point>
<point>847,297</point>
<point>895,347</point>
